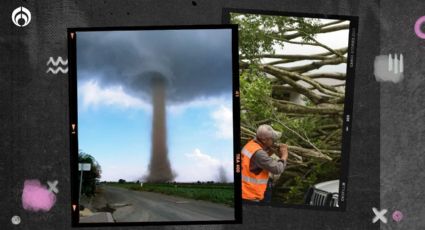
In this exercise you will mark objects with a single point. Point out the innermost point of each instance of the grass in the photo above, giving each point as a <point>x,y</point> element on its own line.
<point>217,193</point>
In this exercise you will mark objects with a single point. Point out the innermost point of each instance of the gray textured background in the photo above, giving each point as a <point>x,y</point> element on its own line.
<point>34,107</point>
<point>402,117</point>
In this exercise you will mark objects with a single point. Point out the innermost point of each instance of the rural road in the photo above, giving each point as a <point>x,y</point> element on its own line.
<point>137,206</point>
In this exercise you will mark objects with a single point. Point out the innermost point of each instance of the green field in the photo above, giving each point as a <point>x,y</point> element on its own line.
<point>218,193</point>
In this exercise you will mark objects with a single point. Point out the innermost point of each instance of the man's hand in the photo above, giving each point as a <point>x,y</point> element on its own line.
<point>283,152</point>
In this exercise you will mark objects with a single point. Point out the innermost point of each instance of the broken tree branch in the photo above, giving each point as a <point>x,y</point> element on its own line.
<point>288,107</point>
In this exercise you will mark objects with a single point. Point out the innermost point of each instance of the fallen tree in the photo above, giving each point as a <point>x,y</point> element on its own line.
<point>286,91</point>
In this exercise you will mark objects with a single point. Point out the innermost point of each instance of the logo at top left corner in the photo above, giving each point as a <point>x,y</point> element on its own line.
<point>21,16</point>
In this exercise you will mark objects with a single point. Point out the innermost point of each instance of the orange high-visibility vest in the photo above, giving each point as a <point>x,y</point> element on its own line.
<point>253,185</point>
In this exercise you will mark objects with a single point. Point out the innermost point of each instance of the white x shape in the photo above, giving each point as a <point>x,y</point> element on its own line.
<point>379,215</point>
<point>52,186</point>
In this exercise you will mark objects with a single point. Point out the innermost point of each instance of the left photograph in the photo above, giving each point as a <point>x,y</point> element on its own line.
<point>152,125</point>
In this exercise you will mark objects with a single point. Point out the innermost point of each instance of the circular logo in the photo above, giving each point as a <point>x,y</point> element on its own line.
<point>16,220</point>
<point>397,216</point>
<point>21,16</point>
<point>418,25</point>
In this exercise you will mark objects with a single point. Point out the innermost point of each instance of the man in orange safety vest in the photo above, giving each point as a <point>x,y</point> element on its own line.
<point>257,163</point>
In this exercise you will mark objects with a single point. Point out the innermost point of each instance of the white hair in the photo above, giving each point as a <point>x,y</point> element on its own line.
<point>266,131</point>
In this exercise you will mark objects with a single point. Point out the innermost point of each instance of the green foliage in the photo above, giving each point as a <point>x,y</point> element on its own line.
<point>296,192</point>
<point>260,33</point>
<point>218,193</point>
<point>307,126</point>
<point>320,172</point>
<point>255,92</point>
<point>89,177</point>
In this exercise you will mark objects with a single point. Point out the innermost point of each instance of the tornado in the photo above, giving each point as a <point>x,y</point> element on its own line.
<point>159,167</point>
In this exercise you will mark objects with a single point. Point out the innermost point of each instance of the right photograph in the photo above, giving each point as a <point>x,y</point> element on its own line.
<point>296,89</point>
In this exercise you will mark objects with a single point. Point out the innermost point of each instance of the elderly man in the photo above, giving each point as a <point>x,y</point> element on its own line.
<point>257,163</point>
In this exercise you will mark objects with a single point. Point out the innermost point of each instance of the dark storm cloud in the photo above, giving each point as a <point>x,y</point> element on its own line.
<point>195,62</point>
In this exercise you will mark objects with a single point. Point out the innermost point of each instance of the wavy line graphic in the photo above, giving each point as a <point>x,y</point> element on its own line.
<point>56,63</point>
<point>55,71</point>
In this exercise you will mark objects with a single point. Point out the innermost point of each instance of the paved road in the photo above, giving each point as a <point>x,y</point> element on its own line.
<point>137,206</point>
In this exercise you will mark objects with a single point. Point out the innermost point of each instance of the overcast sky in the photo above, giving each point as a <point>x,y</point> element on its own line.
<point>185,57</point>
<point>114,103</point>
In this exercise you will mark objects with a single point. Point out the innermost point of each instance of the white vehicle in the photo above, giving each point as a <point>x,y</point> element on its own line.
<point>323,194</point>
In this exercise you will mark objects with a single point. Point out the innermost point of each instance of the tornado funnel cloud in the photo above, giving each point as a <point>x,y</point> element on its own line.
<point>159,167</point>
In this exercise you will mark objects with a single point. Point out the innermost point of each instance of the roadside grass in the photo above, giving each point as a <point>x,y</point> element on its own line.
<point>217,193</point>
